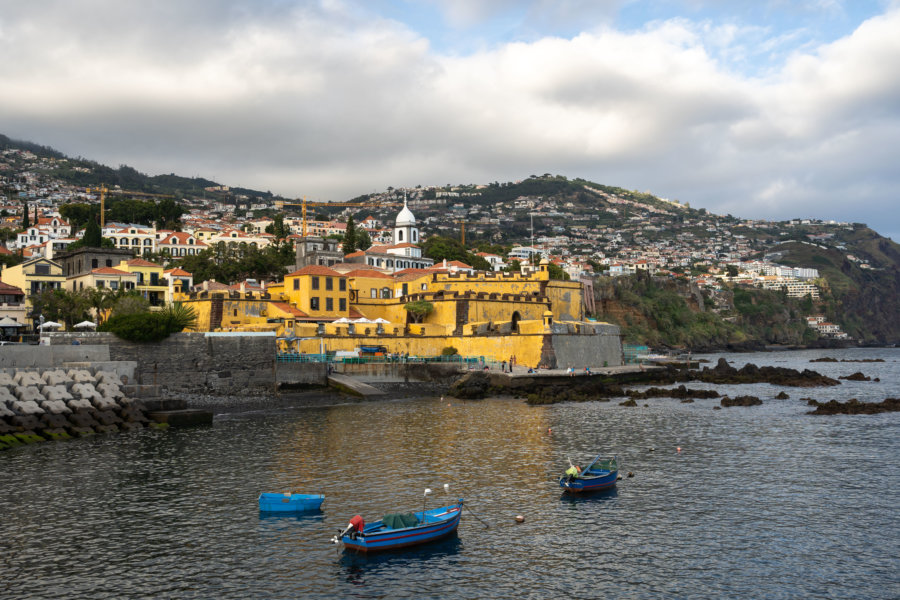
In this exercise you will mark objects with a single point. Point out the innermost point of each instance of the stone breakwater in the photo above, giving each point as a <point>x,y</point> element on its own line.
<point>51,404</point>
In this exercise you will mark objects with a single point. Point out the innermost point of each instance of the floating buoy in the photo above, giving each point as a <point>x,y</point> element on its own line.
<point>619,478</point>
<point>549,430</point>
<point>631,473</point>
<point>520,519</point>
<point>652,449</point>
<point>678,449</point>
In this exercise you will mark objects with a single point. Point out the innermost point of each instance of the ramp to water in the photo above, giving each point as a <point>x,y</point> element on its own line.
<point>353,386</point>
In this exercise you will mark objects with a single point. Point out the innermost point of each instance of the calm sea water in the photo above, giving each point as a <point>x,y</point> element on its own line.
<point>760,502</point>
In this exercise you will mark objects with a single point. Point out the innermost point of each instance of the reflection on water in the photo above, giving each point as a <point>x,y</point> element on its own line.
<point>762,501</point>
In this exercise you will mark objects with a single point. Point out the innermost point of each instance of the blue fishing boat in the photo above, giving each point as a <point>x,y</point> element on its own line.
<point>400,530</point>
<point>289,502</point>
<point>601,474</point>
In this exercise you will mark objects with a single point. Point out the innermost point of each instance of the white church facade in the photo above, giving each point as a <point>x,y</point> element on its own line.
<point>402,253</point>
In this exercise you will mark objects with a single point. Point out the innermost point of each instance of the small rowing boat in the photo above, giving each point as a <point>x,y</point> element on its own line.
<point>400,530</point>
<point>289,502</point>
<point>601,474</point>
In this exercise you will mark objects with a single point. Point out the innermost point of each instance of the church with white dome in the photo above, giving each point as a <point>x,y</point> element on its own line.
<point>402,253</point>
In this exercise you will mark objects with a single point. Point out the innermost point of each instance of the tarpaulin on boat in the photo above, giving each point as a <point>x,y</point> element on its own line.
<point>400,520</point>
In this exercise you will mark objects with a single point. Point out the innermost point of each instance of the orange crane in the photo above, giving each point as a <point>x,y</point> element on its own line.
<point>103,190</point>
<point>462,230</point>
<point>280,204</point>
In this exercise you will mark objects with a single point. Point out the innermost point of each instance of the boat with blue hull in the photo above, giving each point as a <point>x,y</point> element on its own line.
<point>289,502</point>
<point>601,474</point>
<point>400,530</point>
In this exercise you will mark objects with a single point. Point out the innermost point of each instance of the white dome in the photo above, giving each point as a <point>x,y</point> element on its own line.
<point>405,217</point>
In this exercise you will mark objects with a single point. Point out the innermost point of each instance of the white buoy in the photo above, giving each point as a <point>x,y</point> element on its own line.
<point>520,519</point>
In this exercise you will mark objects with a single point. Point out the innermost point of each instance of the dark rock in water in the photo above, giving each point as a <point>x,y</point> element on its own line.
<point>855,407</point>
<point>856,377</point>
<point>687,400</point>
<point>471,386</point>
<point>782,396</point>
<point>679,392</point>
<point>741,401</point>
<point>717,408</point>
<point>629,402</point>
<point>824,359</point>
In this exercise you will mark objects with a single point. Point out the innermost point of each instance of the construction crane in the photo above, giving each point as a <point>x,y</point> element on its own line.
<point>280,204</point>
<point>462,230</point>
<point>103,190</point>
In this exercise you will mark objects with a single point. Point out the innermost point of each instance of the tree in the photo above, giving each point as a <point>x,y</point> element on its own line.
<point>557,272</point>
<point>92,237</point>
<point>731,270</point>
<point>25,218</point>
<point>349,237</point>
<point>99,299</point>
<point>363,240</point>
<point>60,305</point>
<point>418,310</point>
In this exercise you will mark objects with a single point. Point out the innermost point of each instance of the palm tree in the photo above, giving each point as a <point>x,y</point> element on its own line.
<point>100,300</point>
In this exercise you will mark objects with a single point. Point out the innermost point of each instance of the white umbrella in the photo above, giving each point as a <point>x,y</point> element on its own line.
<point>51,324</point>
<point>342,320</point>
<point>380,320</point>
<point>362,320</point>
<point>7,322</point>
<point>84,324</point>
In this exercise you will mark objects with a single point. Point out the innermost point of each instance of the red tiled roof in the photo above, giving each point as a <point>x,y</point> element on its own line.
<point>110,271</point>
<point>355,254</point>
<point>284,306</point>
<point>315,270</point>
<point>367,273</point>
<point>140,262</point>
<point>177,271</point>
<point>8,289</point>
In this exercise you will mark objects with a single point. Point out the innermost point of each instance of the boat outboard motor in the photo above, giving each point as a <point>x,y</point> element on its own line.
<point>354,527</point>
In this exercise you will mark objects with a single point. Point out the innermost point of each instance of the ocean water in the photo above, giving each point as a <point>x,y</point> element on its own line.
<point>744,502</point>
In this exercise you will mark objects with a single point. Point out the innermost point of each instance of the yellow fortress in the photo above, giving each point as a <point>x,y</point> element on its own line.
<point>318,309</point>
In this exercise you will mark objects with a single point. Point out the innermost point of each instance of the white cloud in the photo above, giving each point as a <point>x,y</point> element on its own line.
<point>320,99</point>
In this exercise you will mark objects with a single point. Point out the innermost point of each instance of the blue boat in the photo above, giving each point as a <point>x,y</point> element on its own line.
<point>400,530</point>
<point>289,502</point>
<point>601,474</point>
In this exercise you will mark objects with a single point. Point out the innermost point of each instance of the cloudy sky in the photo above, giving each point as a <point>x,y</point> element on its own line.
<point>757,108</point>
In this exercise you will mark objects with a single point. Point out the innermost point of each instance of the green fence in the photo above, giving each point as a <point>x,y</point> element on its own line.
<point>630,352</point>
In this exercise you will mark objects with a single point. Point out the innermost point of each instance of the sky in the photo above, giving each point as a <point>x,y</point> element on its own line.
<point>769,109</point>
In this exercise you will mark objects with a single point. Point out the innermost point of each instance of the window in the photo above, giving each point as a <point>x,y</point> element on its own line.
<point>385,293</point>
<point>113,285</point>
<point>374,293</point>
<point>235,312</point>
<point>329,304</point>
<point>405,289</point>
<point>399,235</point>
<point>329,284</point>
<point>315,283</point>
<point>100,284</point>
<point>314,303</point>
<point>415,237</point>
<point>342,285</point>
<point>154,278</point>
<point>342,303</point>
<point>108,262</point>
<point>95,263</point>
<point>296,283</point>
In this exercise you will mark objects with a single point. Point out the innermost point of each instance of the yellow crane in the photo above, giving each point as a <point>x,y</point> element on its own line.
<point>103,190</point>
<point>303,204</point>
<point>462,230</point>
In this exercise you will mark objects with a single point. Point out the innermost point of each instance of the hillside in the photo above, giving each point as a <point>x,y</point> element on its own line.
<point>588,225</point>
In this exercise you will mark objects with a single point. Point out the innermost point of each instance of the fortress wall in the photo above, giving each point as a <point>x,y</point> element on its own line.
<point>195,362</point>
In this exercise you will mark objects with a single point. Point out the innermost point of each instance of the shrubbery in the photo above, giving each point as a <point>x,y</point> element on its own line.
<point>150,326</point>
